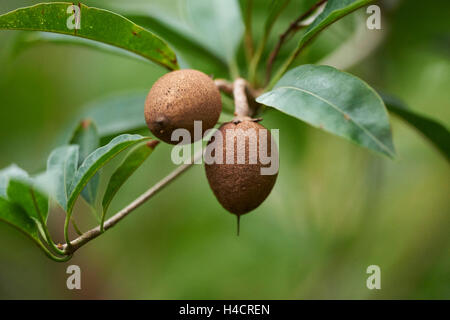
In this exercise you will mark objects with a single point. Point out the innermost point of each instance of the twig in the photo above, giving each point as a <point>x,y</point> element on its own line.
<point>227,87</point>
<point>111,222</point>
<point>240,90</point>
<point>305,42</point>
<point>293,27</point>
<point>248,39</point>
<point>253,65</point>
<point>242,108</point>
<point>224,86</point>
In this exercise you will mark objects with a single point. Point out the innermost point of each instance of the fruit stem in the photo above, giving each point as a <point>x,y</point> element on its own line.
<point>238,223</point>
<point>242,109</point>
<point>244,96</point>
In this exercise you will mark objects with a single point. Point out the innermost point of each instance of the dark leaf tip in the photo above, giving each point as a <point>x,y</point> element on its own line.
<point>86,123</point>
<point>153,143</point>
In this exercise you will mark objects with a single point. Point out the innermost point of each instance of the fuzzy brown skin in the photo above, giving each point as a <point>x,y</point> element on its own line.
<point>240,188</point>
<point>179,98</point>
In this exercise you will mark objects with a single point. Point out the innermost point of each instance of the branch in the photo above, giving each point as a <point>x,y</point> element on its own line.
<point>293,27</point>
<point>308,40</point>
<point>227,87</point>
<point>241,90</point>
<point>111,222</point>
<point>242,108</point>
<point>224,86</point>
<point>248,39</point>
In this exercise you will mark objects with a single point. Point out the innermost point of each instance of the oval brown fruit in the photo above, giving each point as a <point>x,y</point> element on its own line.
<point>178,99</point>
<point>240,188</point>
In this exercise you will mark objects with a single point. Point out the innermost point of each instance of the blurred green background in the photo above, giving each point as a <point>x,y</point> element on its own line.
<point>335,210</point>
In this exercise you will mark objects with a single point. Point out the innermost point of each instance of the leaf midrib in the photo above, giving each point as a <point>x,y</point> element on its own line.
<point>65,183</point>
<point>381,144</point>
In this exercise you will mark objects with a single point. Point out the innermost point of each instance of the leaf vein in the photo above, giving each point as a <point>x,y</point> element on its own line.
<point>377,141</point>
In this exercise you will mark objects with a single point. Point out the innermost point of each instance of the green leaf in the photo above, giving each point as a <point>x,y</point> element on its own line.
<point>90,192</point>
<point>31,196</point>
<point>95,24</point>
<point>333,11</point>
<point>275,9</point>
<point>336,102</point>
<point>434,131</point>
<point>97,160</point>
<point>190,53</point>
<point>24,193</point>
<point>27,40</point>
<point>113,115</point>
<point>13,171</point>
<point>62,165</point>
<point>15,216</point>
<point>129,165</point>
<point>218,24</point>
<point>18,218</point>
<point>215,24</point>
<point>118,113</point>
<point>87,137</point>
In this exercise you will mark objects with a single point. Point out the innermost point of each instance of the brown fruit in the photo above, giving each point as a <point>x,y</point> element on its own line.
<point>178,99</point>
<point>240,188</point>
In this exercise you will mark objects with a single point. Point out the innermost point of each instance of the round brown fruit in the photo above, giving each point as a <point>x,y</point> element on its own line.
<point>178,99</point>
<point>240,188</point>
